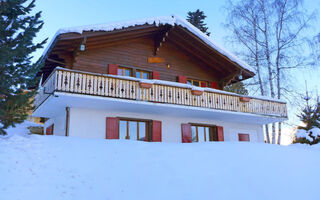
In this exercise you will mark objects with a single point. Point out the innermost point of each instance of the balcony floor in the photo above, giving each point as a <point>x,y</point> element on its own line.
<point>54,105</point>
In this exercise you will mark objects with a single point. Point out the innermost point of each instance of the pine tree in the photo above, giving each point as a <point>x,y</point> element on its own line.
<point>310,116</point>
<point>317,114</point>
<point>238,88</point>
<point>17,72</point>
<point>197,19</point>
<point>307,117</point>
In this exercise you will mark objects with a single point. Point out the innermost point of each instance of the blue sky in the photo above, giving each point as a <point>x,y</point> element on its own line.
<point>67,13</point>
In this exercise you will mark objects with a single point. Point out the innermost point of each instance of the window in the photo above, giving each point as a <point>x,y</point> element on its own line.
<point>243,137</point>
<point>197,83</point>
<point>203,133</point>
<point>142,74</point>
<point>49,129</point>
<point>124,71</point>
<point>133,130</point>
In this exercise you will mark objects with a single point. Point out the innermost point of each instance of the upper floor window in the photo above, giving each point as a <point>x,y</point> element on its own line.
<point>131,129</point>
<point>197,83</point>
<point>142,74</point>
<point>124,71</point>
<point>202,133</point>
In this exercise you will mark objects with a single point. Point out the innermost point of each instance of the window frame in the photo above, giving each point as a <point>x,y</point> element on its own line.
<point>147,128</point>
<point>142,71</point>
<point>200,81</point>
<point>240,135</point>
<point>133,71</point>
<point>212,132</point>
<point>124,69</point>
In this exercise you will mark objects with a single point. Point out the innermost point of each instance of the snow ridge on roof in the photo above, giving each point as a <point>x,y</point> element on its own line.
<point>157,21</point>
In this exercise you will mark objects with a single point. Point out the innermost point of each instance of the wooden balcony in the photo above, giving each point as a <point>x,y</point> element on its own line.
<point>156,91</point>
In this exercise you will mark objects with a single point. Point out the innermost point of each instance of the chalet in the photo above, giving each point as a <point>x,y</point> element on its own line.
<point>158,79</point>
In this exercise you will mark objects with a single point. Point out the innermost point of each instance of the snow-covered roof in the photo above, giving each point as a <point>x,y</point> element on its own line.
<point>157,21</point>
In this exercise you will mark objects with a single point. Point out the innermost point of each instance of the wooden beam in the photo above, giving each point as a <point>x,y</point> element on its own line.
<point>78,48</point>
<point>160,38</point>
<point>228,79</point>
<point>56,61</point>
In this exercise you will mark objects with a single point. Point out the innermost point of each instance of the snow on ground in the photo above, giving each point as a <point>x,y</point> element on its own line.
<point>51,167</point>
<point>20,129</point>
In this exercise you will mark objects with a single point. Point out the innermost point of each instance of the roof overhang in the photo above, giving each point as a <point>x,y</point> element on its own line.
<point>181,33</point>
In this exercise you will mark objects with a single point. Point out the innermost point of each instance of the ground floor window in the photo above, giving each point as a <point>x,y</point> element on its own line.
<point>244,137</point>
<point>49,129</point>
<point>132,129</point>
<point>203,133</point>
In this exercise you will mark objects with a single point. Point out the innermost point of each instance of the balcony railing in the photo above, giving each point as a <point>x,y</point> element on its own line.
<point>70,81</point>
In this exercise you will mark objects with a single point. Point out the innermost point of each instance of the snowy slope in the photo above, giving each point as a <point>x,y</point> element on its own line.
<point>51,167</point>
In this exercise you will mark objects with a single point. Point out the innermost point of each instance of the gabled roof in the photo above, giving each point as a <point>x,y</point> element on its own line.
<point>154,21</point>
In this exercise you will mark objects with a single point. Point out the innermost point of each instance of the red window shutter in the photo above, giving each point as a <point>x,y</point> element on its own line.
<point>182,79</point>
<point>155,75</point>
<point>220,133</point>
<point>186,133</point>
<point>113,69</point>
<point>49,130</point>
<point>203,84</point>
<point>244,137</point>
<point>156,131</point>
<point>214,85</point>
<point>112,130</point>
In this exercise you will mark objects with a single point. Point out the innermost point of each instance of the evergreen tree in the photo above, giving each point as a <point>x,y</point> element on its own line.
<point>238,88</point>
<point>317,114</point>
<point>197,19</point>
<point>310,116</point>
<point>307,116</point>
<point>17,72</point>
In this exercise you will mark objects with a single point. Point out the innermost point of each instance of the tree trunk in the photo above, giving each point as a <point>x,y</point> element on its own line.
<point>273,133</point>
<point>259,72</point>
<point>279,134</point>
<point>278,39</point>
<point>268,57</point>
<point>267,48</point>
<point>257,58</point>
<point>267,133</point>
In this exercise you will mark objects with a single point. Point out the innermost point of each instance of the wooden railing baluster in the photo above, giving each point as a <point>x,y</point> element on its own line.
<point>91,84</point>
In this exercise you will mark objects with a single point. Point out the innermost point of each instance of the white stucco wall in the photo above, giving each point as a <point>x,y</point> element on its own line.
<point>59,122</point>
<point>91,123</point>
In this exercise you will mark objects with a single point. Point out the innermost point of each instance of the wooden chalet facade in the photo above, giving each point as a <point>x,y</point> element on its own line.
<point>157,79</point>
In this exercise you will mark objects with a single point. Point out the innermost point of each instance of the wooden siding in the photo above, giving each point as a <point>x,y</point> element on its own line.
<point>135,53</point>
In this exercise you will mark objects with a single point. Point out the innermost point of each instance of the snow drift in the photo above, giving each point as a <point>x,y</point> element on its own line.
<point>51,167</point>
